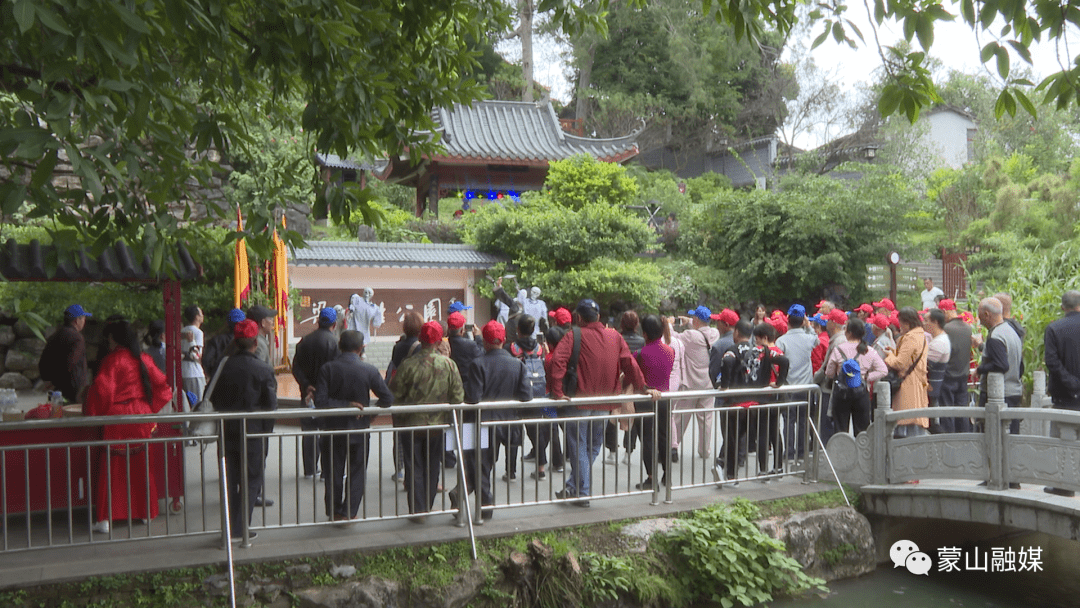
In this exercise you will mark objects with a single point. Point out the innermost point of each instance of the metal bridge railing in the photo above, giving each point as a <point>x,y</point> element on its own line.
<point>54,473</point>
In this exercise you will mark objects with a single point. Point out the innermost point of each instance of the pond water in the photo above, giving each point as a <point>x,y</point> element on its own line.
<point>1056,585</point>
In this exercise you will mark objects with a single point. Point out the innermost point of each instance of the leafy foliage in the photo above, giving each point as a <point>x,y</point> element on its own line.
<point>685,73</point>
<point>581,180</point>
<point>1036,280</point>
<point>723,556</point>
<point>574,240</point>
<point>792,244</point>
<point>143,98</point>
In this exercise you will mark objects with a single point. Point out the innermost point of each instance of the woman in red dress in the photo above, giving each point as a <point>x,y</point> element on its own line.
<point>127,383</point>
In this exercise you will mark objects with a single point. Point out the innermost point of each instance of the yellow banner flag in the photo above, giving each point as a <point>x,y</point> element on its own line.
<point>281,286</point>
<point>241,275</point>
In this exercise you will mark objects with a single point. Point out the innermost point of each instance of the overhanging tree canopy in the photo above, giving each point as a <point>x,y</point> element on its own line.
<point>143,97</point>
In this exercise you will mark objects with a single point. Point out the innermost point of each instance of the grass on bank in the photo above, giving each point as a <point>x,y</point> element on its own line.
<point>716,555</point>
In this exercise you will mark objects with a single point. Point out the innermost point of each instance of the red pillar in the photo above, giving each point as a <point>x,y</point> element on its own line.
<point>173,325</point>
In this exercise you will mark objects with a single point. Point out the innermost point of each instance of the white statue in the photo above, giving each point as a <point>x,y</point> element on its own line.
<point>364,314</point>
<point>536,308</point>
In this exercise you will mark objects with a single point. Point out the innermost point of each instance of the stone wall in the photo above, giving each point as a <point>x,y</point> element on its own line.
<point>20,351</point>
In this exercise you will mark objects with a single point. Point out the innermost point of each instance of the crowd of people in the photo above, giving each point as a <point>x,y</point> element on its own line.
<point>926,357</point>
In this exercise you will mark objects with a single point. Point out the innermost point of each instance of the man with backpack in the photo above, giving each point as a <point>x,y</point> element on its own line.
<point>532,353</point>
<point>769,370</point>
<point>590,358</point>
<point>734,422</point>
<point>496,376</point>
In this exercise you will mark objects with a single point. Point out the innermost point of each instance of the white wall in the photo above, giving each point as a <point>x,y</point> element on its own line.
<point>948,137</point>
<point>356,278</point>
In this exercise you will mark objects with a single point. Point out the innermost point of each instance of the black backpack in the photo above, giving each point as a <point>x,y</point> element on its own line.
<point>534,369</point>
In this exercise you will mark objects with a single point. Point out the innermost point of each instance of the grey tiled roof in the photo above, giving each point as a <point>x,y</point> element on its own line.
<point>333,161</point>
<point>393,255</point>
<point>521,131</point>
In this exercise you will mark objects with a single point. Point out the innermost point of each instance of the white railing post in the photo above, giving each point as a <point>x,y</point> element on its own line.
<point>882,435</point>
<point>1039,400</point>
<point>995,431</point>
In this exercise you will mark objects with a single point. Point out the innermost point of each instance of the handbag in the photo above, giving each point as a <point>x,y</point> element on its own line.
<point>895,379</point>
<point>206,428</point>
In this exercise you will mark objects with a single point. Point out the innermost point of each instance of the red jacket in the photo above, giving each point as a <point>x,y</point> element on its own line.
<point>118,391</point>
<point>604,354</point>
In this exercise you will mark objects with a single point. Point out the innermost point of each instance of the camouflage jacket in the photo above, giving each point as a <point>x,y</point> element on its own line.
<point>426,377</point>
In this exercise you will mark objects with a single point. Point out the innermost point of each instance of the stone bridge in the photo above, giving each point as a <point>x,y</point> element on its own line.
<point>888,470</point>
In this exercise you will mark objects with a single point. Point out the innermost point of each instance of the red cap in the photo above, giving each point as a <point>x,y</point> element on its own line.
<point>246,329</point>
<point>494,332</point>
<point>456,320</point>
<point>894,319</point>
<point>967,317</point>
<point>837,316</point>
<point>885,303</point>
<point>880,321</point>
<point>431,332</point>
<point>946,304</point>
<point>779,324</point>
<point>864,307</point>
<point>561,316</point>
<point>727,317</point>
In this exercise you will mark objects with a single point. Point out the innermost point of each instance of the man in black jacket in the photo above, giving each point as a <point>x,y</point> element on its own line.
<point>313,351</point>
<point>246,384</point>
<point>214,350</point>
<point>1062,340</point>
<point>497,376</point>
<point>463,350</point>
<point>348,382</point>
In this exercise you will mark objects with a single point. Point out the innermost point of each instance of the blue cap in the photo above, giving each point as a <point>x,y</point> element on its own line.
<point>327,316</point>
<point>75,311</point>
<point>588,305</point>
<point>701,312</point>
<point>852,373</point>
<point>235,316</point>
<point>819,320</point>
<point>458,307</point>
<point>796,310</point>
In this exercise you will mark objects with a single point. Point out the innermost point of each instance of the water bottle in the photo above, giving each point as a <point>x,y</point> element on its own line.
<point>56,400</point>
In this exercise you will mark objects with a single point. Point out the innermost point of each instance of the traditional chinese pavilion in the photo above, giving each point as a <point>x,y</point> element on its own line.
<point>497,147</point>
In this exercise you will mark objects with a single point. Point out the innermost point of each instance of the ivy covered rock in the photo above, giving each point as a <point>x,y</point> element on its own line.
<point>830,544</point>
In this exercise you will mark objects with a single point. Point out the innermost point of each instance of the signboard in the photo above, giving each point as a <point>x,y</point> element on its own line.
<point>430,303</point>
<point>877,278</point>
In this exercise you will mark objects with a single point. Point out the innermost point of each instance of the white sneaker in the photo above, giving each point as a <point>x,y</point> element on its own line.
<point>626,458</point>
<point>102,527</point>
<point>718,475</point>
<point>612,458</point>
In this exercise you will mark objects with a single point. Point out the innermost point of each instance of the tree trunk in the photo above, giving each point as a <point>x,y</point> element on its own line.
<point>525,14</point>
<point>581,112</point>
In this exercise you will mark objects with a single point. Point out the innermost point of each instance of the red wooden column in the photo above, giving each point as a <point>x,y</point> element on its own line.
<point>171,297</point>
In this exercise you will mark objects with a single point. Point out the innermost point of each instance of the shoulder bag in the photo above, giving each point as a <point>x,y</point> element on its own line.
<point>206,428</point>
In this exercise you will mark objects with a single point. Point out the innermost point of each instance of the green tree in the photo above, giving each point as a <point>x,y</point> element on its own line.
<point>816,234</point>
<point>143,98</point>
<point>581,180</point>
<point>672,64</point>
<point>576,239</point>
